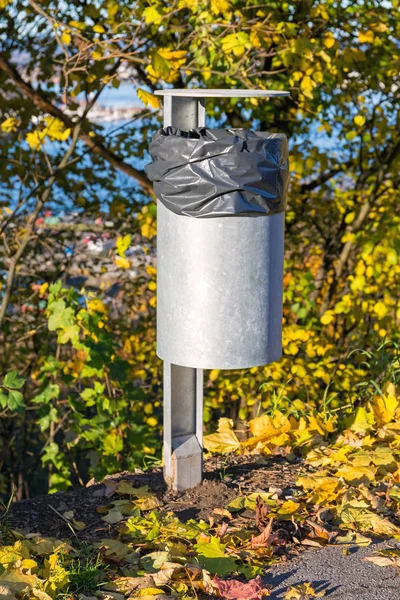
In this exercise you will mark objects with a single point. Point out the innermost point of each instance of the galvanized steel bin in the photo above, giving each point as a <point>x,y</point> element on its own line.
<point>221,201</point>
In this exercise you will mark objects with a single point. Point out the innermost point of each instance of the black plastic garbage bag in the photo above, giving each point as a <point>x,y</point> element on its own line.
<point>219,172</point>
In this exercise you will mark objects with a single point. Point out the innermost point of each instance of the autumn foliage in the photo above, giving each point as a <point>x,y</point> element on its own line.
<point>81,386</point>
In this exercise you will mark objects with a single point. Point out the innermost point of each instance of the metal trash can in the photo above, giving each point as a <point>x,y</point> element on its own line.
<point>221,201</point>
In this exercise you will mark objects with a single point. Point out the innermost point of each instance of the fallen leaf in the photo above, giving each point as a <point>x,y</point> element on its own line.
<point>267,538</point>
<point>114,516</point>
<point>127,585</point>
<point>223,512</point>
<point>225,440</point>
<point>110,596</point>
<point>320,532</point>
<point>153,562</point>
<point>232,589</point>
<point>213,557</point>
<point>151,591</point>
<point>147,503</point>
<point>353,537</point>
<point>114,550</point>
<point>389,557</point>
<point>261,514</point>
<point>302,592</point>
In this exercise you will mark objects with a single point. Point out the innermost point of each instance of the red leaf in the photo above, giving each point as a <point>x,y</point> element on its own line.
<point>232,589</point>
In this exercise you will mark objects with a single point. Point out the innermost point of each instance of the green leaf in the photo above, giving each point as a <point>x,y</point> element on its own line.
<point>153,562</point>
<point>13,380</point>
<point>161,65</point>
<point>50,392</point>
<point>15,400</point>
<point>3,400</point>
<point>212,557</point>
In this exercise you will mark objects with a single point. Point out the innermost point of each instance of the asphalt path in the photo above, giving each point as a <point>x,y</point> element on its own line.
<point>342,577</point>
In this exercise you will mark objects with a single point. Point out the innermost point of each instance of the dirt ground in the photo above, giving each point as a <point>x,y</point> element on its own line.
<point>223,481</point>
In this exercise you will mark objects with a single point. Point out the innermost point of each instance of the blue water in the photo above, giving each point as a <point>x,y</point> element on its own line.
<point>125,95</point>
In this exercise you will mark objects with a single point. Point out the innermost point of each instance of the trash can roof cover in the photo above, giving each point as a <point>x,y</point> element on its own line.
<point>219,93</point>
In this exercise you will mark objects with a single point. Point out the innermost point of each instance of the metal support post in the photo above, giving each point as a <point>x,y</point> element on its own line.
<point>183,386</point>
<point>197,300</point>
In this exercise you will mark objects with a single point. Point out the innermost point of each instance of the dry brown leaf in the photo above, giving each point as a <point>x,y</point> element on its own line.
<point>223,512</point>
<point>261,514</point>
<point>267,538</point>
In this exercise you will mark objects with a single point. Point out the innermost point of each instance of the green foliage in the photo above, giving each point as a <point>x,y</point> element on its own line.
<point>10,396</point>
<point>94,398</point>
<point>212,556</point>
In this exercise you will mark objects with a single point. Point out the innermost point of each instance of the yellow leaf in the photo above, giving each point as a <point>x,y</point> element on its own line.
<point>363,420</point>
<point>77,25</point>
<point>220,7</point>
<point>151,15</point>
<point>10,124</point>
<point>307,85</point>
<point>35,139</point>
<point>384,408</point>
<point>288,508</point>
<point>328,40</point>
<point>148,99</point>
<point>96,305</point>
<point>66,38</point>
<point>151,591</point>
<point>356,474</point>
<point>392,257</point>
<point>190,4</point>
<point>254,38</point>
<point>214,374</point>
<point>350,218</point>
<point>235,43</point>
<point>3,3</point>
<point>173,55</point>
<point>359,120</point>
<point>324,489</point>
<point>122,262</point>
<point>55,129</point>
<point>122,244</point>
<point>264,427</point>
<point>98,29</point>
<point>355,515</point>
<point>358,283</point>
<point>327,317</point>
<point>381,309</point>
<point>366,37</point>
<point>302,591</point>
<point>148,228</point>
<point>223,441</point>
<point>40,594</point>
<point>150,502</point>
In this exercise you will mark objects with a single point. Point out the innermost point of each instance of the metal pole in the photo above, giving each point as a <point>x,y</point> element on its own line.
<point>183,386</point>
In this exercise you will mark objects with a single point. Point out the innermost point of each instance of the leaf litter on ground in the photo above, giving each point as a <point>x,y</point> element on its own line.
<point>347,494</point>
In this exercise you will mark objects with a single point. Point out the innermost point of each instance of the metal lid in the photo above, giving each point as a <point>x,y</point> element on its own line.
<point>219,93</point>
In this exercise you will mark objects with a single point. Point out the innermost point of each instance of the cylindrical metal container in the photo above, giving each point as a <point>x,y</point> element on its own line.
<point>219,296</point>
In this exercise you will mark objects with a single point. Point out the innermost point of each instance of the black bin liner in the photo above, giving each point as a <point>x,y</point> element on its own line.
<point>219,172</point>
